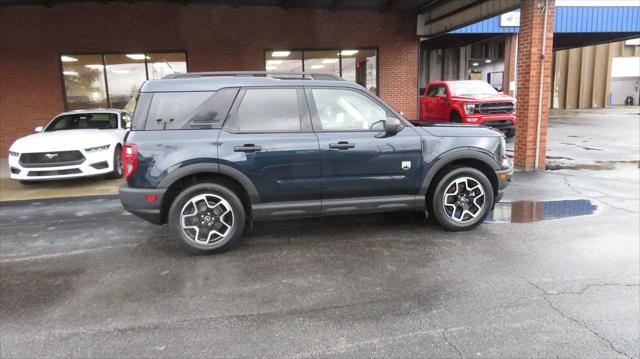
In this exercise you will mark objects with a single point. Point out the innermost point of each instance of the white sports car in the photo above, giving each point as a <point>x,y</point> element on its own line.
<point>74,144</point>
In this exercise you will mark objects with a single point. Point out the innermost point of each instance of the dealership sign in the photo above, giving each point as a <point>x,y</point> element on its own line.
<point>512,18</point>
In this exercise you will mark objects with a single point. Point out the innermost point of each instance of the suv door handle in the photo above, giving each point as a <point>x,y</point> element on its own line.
<point>247,148</point>
<point>342,145</point>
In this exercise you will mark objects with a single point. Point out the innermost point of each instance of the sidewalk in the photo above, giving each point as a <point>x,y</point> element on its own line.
<point>15,191</point>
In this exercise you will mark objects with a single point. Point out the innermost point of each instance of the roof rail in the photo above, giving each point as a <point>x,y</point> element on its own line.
<point>276,75</point>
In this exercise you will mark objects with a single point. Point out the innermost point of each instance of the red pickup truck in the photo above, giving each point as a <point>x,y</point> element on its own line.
<point>471,102</point>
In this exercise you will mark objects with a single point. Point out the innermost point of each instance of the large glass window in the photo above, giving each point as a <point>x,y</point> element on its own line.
<point>269,110</point>
<point>125,75</point>
<point>112,80</point>
<point>345,110</point>
<point>357,65</point>
<point>326,62</point>
<point>84,81</point>
<point>283,61</point>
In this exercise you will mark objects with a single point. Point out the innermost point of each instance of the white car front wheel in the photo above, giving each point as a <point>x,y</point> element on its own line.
<point>117,163</point>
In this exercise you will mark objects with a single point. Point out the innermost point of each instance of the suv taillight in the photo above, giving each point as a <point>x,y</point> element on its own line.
<point>129,159</point>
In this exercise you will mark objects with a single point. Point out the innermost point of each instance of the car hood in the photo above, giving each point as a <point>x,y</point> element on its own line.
<point>64,140</point>
<point>453,130</point>
<point>485,98</point>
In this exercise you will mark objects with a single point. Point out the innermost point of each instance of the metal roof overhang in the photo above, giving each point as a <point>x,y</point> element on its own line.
<point>438,17</point>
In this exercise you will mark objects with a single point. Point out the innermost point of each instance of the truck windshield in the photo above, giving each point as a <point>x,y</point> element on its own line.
<point>84,121</point>
<point>471,88</point>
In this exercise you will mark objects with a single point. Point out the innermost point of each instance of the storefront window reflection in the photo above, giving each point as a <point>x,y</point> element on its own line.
<point>84,81</point>
<point>358,65</point>
<point>113,80</point>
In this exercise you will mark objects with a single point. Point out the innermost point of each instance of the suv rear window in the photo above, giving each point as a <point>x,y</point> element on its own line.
<point>189,110</point>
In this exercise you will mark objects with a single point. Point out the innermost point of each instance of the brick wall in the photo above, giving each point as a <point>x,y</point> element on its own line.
<point>529,65</point>
<point>214,37</point>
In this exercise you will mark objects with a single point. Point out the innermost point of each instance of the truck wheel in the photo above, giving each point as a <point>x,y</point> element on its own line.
<point>455,118</point>
<point>207,218</point>
<point>117,164</point>
<point>462,199</point>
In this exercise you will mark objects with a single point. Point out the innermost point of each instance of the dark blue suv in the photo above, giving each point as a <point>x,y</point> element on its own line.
<point>209,152</point>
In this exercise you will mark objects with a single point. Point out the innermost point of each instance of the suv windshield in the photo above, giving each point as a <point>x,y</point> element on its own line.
<point>84,121</point>
<point>471,88</point>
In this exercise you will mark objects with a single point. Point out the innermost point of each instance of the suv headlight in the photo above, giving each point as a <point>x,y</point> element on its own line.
<point>13,154</point>
<point>97,148</point>
<point>470,108</point>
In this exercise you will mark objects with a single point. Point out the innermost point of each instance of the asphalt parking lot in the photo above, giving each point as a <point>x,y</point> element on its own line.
<point>554,273</point>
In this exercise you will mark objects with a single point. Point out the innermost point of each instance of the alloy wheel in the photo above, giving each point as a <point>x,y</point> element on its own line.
<point>206,219</point>
<point>463,199</point>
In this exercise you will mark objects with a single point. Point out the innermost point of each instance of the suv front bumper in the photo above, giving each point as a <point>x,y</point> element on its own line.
<point>139,202</point>
<point>504,177</point>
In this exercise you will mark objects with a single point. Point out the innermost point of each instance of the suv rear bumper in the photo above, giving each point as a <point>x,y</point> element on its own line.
<point>135,201</point>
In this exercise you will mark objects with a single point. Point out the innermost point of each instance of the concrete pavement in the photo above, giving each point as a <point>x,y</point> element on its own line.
<point>81,277</point>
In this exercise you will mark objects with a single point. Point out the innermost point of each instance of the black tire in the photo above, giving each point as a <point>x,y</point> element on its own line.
<point>455,117</point>
<point>231,237</point>
<point>29,183</point>
<point>436,199</point>
<point>117,164</point>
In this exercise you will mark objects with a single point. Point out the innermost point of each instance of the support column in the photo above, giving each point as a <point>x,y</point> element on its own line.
<point>534,82</point>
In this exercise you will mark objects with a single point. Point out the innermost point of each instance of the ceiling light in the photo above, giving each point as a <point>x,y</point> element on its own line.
<point>274,62</point>
<point>68,59</point>
<point>475,64</point>
<point>137,56</point>
<point>280,53</point>
<point>94,66</point>
<point>271,68</point>
<point>329,61</point>
<point>70,73</point>
<point>349,52</point>
<point>488,61</point>
<point>317,66</point>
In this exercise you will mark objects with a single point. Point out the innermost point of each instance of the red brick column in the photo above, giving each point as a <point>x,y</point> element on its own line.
<point>531,61</point>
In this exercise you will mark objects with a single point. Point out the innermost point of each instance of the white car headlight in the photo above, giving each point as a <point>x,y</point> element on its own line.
<point>469,108</point>
<point>97,148</point>
<point>13,154</point>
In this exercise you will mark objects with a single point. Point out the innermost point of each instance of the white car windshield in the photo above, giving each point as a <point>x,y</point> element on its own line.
<point>471,88</point>
<point>84,121</point>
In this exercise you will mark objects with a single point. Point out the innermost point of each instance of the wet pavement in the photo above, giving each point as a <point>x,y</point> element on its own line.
<point>555,273</point>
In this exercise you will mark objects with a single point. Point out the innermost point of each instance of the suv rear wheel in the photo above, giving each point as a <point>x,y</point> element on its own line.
<point>462,199</point>
<point>207,218</point>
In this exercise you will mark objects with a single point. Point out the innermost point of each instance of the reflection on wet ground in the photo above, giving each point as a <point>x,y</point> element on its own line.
<point>531,211</point>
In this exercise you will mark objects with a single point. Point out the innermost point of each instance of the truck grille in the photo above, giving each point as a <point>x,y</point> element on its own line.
<point>51,159</point>
<point>495,107</point>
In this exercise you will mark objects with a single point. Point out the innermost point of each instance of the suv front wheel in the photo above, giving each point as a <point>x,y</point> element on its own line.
<point>207,218</point>
<point>462,199</point>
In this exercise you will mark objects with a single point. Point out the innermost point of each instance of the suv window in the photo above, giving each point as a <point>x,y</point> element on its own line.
<point>346,110</point>
<point>271,110</point>
<point>436,90</point>
<point>189,110</point>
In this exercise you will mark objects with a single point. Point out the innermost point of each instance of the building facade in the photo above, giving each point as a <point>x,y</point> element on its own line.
<point>95,54</point>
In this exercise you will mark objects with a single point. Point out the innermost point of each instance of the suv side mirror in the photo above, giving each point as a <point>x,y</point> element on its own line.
<point>443,97</point>
<point>39,129</point>
<point>392,125</point>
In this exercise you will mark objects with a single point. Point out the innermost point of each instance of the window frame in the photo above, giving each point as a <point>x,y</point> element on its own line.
<point>315,116</point>
<point>104,67</point>
<point>304,49</point>
<point>231,124</point>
